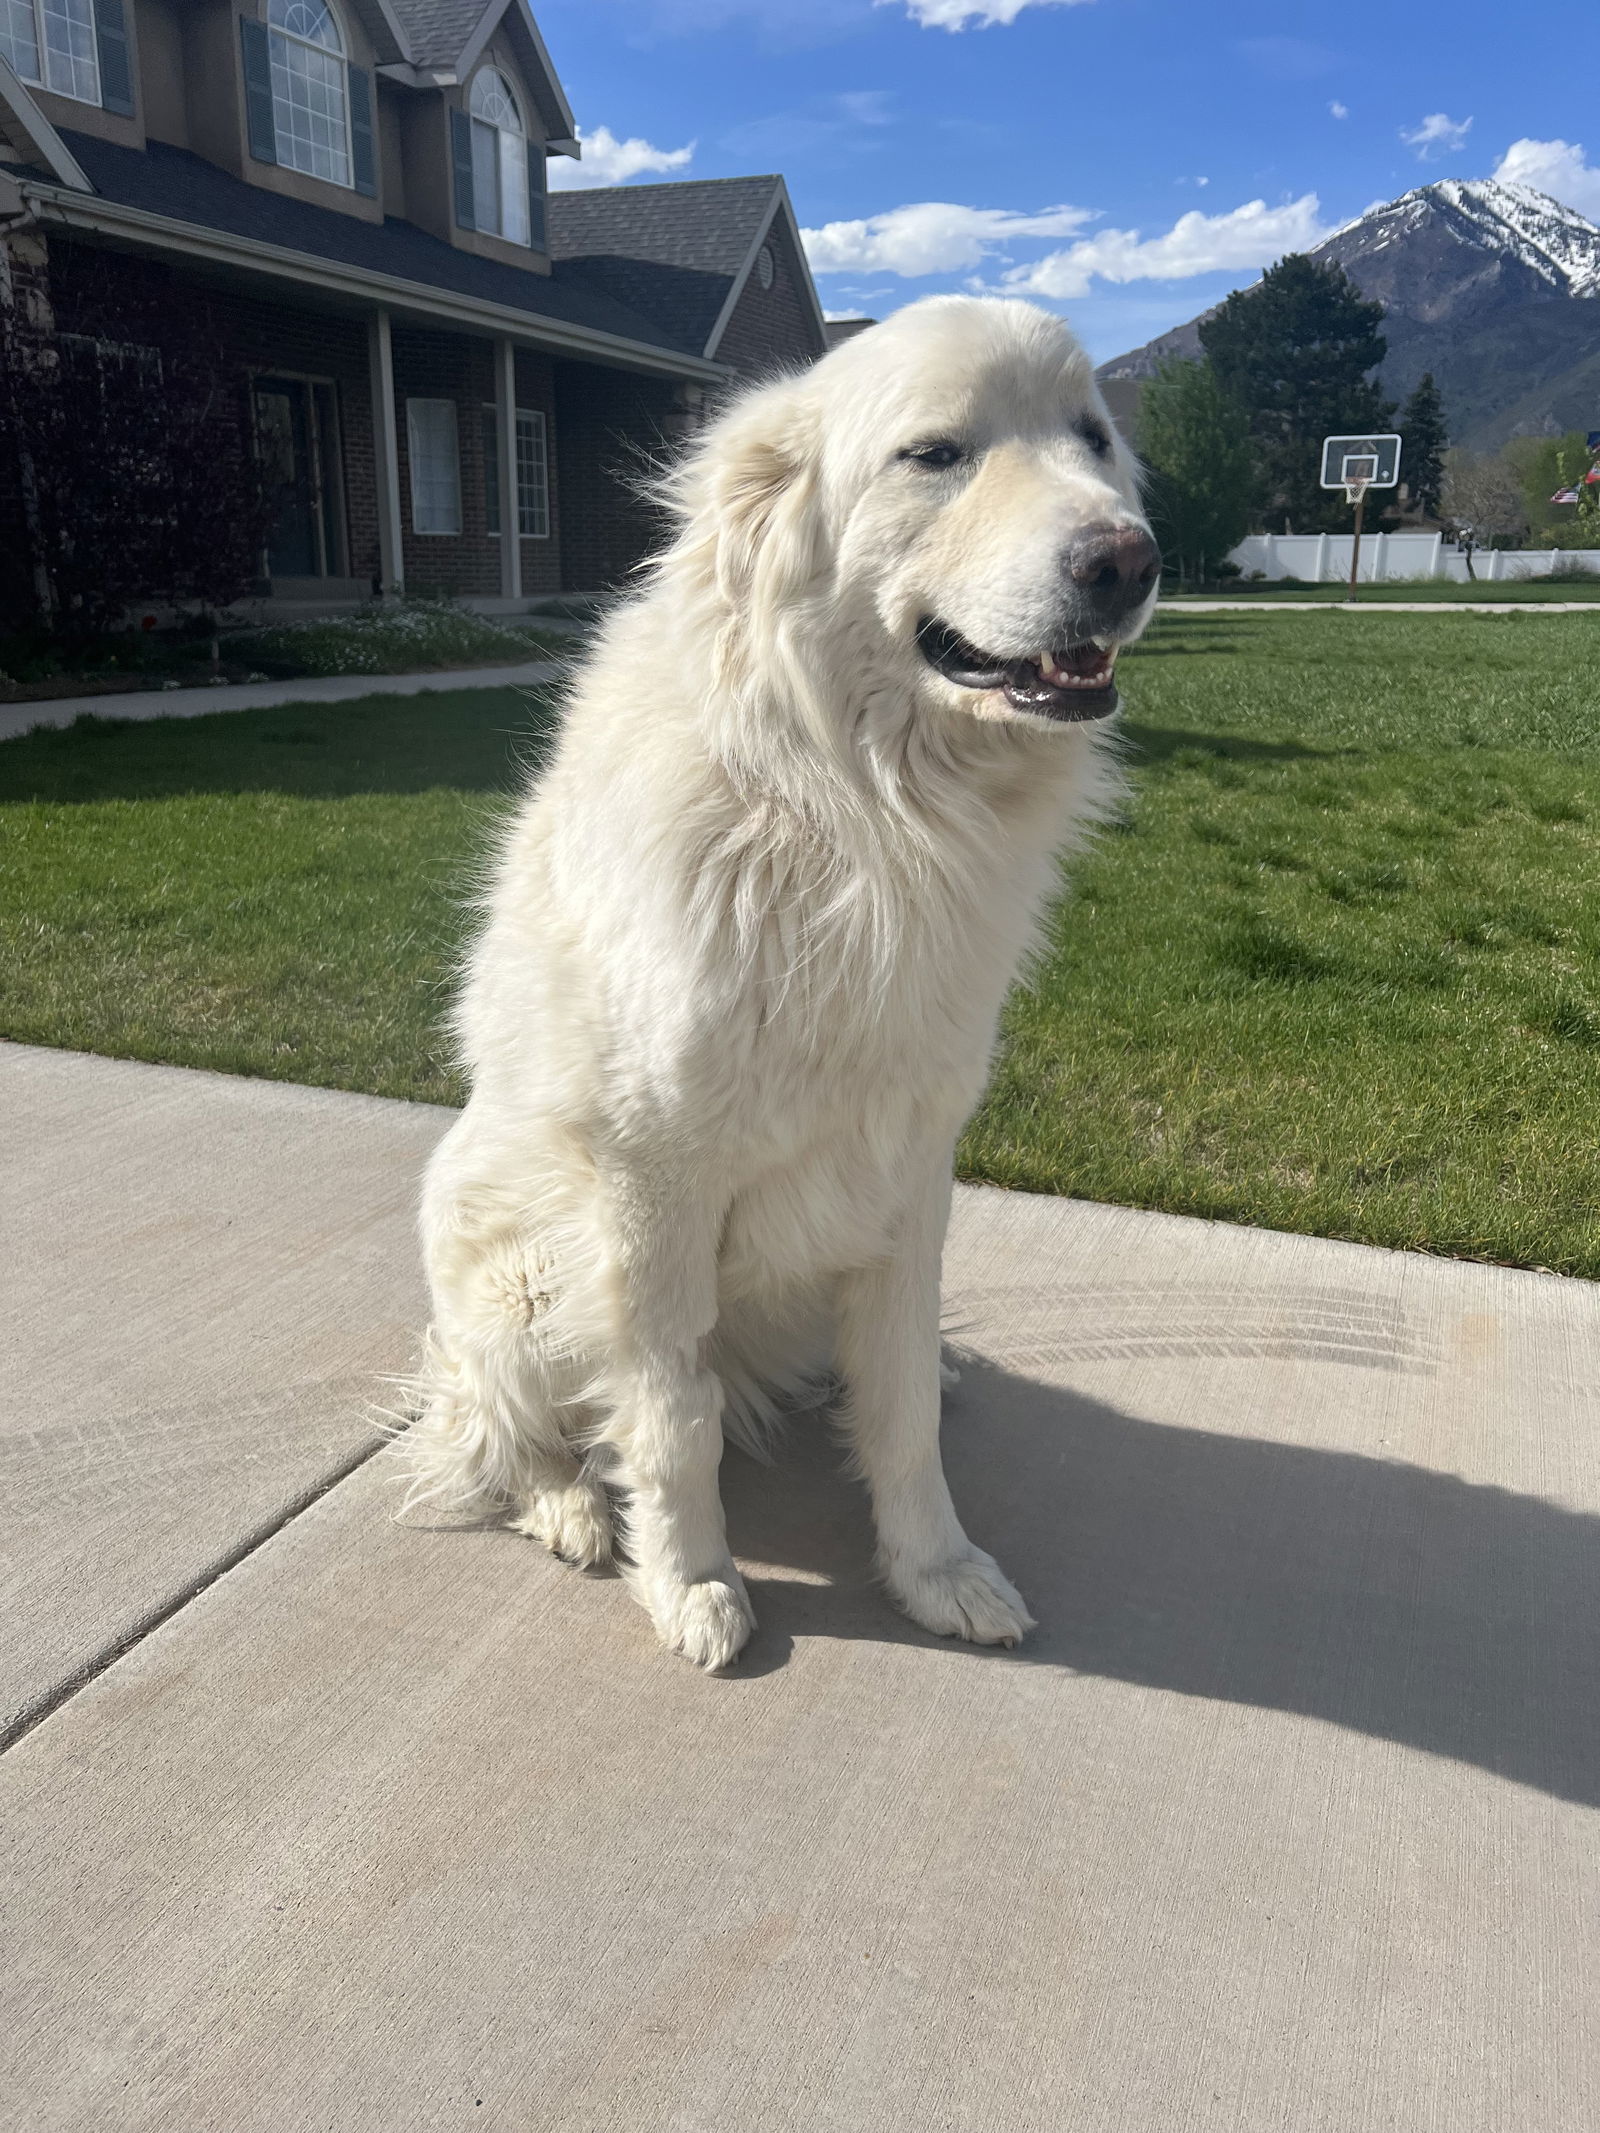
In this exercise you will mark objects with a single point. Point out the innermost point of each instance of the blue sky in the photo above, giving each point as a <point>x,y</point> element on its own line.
<point>1124,161</point>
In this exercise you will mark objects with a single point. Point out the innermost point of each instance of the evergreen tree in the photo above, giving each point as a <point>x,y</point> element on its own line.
<point>1296,352</point>
<point>1424,437</point>
<point>1196,443</point>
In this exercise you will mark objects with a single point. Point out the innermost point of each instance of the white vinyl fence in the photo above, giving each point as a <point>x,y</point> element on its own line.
<point>1324,558</point>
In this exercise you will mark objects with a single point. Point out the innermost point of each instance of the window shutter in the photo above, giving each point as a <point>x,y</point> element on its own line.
<point>536,212</point>
<point>116,67</point>
<point>461,156</point>
<point>363,155</point>
<point>259,123</point>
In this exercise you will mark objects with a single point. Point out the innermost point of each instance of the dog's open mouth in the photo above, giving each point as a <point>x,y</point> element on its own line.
<point>1075,682</point>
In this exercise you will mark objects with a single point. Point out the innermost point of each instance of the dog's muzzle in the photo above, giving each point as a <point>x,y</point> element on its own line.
<point>1070,686</point>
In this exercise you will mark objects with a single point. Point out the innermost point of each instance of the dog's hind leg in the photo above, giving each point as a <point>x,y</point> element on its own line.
<point>497,1421</point>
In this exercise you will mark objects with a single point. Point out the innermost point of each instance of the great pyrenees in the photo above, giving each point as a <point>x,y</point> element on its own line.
<point>744,953</point>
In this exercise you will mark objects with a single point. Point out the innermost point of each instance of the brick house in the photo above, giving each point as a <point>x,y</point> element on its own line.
<point>352,193</point>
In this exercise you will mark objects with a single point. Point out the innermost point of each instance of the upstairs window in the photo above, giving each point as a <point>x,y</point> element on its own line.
<point>499,159</point>
<point>310,99</point>
<point>52,43</point>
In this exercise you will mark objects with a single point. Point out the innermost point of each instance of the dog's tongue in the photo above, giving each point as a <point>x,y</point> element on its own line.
<point>1077,664</point>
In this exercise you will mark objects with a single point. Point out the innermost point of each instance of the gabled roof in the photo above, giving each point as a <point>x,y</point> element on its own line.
<point>182,190</point>
<point>445,38</point>
<point>680,252</point>
<point>438,30</point>
<point>29,136</point>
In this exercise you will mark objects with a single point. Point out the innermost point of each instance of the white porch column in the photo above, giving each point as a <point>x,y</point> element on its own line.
<point>505,425</point>
<point>385,453</point>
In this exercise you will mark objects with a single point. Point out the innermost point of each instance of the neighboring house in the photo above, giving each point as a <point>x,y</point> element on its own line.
<point>352,194</point>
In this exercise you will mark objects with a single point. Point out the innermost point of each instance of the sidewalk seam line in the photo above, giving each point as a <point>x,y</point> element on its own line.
<point>34,1715</point>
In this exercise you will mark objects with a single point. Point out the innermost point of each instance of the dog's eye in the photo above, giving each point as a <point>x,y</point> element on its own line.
<point>942,452</point>
<point>1097,439</point>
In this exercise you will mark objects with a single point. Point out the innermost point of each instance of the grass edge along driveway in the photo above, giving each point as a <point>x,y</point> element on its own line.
<point>1334,972</point>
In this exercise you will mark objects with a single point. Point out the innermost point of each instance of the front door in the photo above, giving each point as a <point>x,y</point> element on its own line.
<point>297,438</point>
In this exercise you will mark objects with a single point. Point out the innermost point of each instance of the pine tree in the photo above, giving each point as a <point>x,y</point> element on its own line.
<point>1196,443</point>
<point>1296,352</point>
<point>1423,441</point>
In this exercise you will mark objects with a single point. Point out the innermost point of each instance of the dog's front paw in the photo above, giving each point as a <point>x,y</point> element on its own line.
<point>969,1596</point>
<point>573,1521</point>
<point>709,1621</point>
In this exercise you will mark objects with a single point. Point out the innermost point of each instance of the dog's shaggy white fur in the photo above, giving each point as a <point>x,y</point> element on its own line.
<point>745,951</point>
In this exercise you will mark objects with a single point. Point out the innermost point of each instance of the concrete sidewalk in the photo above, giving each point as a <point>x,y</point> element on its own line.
<point>1286,1817</point>
<point>265,695</point>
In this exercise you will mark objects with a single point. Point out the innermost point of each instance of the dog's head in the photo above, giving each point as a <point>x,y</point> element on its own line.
<point>943,499</point>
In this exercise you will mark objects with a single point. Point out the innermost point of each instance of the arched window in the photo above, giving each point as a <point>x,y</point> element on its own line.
<point>499,159</point>
<point>52,42</point>
<point>310,97</point>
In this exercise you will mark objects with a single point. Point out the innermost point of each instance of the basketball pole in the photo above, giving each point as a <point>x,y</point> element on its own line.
<point>1355,545</point>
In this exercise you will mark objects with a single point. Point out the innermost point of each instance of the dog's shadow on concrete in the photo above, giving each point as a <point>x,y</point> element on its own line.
<point>1406,1604</point>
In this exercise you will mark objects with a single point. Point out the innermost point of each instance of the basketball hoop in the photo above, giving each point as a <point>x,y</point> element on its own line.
<point>1357,474</point>
<point>1357,464</point>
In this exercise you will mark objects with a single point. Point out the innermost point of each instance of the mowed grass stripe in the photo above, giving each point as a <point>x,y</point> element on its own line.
<point>1335,972</point>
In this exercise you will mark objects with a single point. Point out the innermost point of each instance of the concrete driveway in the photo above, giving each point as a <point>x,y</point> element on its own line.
<point>1285,1818</point>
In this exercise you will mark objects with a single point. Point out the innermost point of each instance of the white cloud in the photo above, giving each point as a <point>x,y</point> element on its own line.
<point>932,237</point>
<point>971,14</point>
<point>839,318</point>
<point>1340,111</point>
<point>1559,168</point>
<point>608,161</point>
<point>1438,135</point>
<point>1250,236</point>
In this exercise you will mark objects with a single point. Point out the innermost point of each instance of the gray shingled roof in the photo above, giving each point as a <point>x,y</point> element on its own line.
<point>670,251</point>
<point>438,29</point>
<point>174,183</point>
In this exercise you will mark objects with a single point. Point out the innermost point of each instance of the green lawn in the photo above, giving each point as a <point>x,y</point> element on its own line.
<point>1336,973</point>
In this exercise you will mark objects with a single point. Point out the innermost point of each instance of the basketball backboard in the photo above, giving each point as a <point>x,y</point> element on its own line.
<point>1370,462</point>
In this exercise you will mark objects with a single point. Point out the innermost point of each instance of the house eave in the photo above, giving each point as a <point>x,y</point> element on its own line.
<point>36,133</point>
<point>107,218</point>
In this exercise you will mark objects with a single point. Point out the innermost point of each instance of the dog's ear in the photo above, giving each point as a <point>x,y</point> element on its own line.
<point>749,494</point>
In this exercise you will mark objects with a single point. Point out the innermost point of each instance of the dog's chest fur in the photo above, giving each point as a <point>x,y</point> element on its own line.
<point>857,1040</point>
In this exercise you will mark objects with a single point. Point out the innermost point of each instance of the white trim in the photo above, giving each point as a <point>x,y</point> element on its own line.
<point>472,51</point>
<point>781,206</point>
<point>43,48</point>
<point>531,414</point>
<point>37,130</point>
<point>386,454</point>
<point>469,314</point>
<point>505,443</point>
<point>341,53</point>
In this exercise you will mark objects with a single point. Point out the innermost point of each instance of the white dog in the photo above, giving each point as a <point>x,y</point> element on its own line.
<point>746,947</point>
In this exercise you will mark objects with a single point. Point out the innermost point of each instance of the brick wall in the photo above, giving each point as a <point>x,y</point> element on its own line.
<point>772,329</point>
<point>260,335</point>
<point>445,366</point>
<point>610,426</point>
<point>450,366</point>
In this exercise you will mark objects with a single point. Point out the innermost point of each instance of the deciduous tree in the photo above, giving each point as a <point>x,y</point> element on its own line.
<point>130,446</point>
<point>1196,442</point>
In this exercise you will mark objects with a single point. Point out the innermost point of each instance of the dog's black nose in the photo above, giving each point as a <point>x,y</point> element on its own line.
<point>1112,569</point>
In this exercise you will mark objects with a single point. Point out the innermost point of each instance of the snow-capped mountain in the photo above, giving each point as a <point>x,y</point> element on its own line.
<point>1494,288</point>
